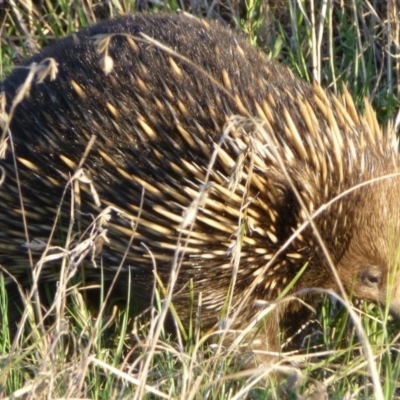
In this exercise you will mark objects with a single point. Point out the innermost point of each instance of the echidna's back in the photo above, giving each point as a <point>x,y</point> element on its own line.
<point>157,118</point>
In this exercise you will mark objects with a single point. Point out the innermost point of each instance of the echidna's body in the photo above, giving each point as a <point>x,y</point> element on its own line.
<point>159,118</point>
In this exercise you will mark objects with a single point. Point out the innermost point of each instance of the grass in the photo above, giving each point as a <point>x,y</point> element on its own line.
<point>353,43</point>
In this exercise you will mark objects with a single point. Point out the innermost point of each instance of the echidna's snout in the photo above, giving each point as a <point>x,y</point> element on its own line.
<point>393,294</point>
<point>395,308</point>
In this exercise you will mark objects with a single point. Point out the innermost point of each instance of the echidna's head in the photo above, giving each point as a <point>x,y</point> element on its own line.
<point>370,265</point>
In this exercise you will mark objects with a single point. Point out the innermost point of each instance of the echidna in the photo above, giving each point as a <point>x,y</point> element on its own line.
<point>215,162</point>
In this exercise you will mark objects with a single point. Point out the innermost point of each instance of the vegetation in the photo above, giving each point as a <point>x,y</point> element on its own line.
<point>356,43</point>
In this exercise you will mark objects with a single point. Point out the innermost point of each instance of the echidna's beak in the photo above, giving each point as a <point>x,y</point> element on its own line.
<point>395,301</point>
<point>395,310</point>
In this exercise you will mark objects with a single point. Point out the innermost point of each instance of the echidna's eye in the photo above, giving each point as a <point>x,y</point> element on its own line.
<point>371,276</point>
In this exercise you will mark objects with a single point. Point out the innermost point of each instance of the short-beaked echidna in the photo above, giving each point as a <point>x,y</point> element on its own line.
<point>206,149</point>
